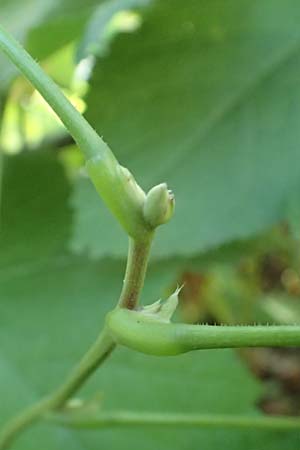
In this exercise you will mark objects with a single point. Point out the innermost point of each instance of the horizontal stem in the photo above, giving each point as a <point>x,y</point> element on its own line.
<point>146,334</point>
<point>133,419</point>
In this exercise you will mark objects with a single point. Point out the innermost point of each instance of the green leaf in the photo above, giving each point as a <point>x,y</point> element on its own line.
<point>52,305</point>
<point>204,96</point>
<point>35,222</point>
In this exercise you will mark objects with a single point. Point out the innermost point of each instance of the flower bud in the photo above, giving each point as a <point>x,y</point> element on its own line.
<point>159,205</point>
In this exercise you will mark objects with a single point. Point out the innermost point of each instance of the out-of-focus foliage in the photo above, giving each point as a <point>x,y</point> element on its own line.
<point>202,95</point>
<point>205,97</point>
<point>44,25</point>
<point>48,304</point>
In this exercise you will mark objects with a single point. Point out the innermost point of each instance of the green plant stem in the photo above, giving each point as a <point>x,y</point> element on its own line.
<point>3,99</point>
<point>93,358</point>
<point>133,419</point>
<point>87,139</point>
<point>138,255</point>
<point>115,184</point>
<point>137,261</point>
<point>138,331</point>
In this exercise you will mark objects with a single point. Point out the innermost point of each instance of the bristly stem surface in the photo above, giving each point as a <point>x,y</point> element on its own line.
<point>148,334</point>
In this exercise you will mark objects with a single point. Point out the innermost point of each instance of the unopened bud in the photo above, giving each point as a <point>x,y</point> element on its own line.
<point>159,205</point>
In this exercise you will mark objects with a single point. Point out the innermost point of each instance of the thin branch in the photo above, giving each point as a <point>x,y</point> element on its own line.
<point>90,362</point>
<point>140,418</point>
<point>137,261</point>
<point>100,350</point>
<point>87,139</point>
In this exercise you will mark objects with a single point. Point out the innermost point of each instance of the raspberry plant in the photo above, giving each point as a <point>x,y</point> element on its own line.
<point>149,329</point>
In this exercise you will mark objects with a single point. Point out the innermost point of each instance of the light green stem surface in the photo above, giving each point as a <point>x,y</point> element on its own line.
<point>3,100</point>
<point>146,334</point>
<point>134,419</point>
<point>137,262</point>
<point>88,140</point>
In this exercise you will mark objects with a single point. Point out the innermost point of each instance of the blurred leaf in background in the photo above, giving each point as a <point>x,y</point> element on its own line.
<point>52,305</point>
<point>205,97</point>
<point>202,95</point>
<point>43,25</point>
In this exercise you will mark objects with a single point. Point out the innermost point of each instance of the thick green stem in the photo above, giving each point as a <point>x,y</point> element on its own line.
<point>134,419</point>
<point>147,334</point>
